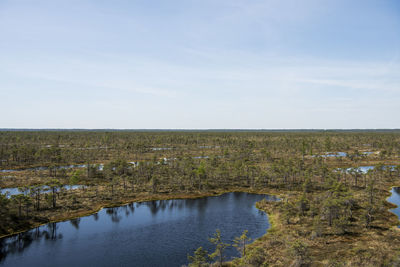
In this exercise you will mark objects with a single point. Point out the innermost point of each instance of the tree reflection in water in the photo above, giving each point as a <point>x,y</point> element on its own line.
<point>96,216</point>
<point>157,205</point>
<point>18,243</point>
<point>75,223</point>
<point>397,190</point>
<point>154,221</point>
<point>113,213</point>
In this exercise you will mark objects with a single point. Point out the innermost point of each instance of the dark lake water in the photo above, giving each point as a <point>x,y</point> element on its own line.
<point>155,233</point>
<point>395,199</point>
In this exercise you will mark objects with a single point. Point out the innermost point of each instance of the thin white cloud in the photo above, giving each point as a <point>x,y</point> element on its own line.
<point>200,64</point>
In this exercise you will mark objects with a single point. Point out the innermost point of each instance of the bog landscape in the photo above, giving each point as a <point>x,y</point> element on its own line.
<point>226,198</point>
<point>194,133</point>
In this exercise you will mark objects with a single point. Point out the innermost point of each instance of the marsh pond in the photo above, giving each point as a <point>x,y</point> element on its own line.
<point>154,233</point>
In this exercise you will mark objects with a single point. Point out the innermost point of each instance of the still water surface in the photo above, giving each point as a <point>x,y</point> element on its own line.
<point>155,233</point>
<point>395,199</point>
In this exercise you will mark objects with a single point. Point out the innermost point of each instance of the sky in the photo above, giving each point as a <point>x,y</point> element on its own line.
<point>200,64</point>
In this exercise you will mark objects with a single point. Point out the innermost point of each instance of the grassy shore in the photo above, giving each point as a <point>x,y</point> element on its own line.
<point>376,245</point>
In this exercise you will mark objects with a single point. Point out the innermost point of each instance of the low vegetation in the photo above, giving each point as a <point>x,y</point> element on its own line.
<point>331,213</point>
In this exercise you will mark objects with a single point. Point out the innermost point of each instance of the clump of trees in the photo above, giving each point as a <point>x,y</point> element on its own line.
<point>202,258</point>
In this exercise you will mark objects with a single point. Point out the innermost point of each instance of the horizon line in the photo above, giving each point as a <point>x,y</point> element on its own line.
<point>198,129</point>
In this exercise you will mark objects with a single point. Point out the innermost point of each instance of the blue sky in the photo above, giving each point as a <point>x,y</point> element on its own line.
<point>200,64</point>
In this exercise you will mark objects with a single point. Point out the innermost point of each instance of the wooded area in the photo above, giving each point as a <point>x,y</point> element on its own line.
<point>332,212</point>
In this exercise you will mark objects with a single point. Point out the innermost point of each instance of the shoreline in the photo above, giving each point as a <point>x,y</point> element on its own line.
<point>395,206</point>
<point>155,197</point>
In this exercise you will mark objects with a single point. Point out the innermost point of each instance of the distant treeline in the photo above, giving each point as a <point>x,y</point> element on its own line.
<point>198,130</point>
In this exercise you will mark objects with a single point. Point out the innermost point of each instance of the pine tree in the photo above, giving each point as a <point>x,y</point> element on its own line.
<point>220,247</point>
<point>199,259</point>
<point>241,242</point>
